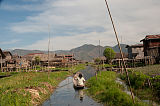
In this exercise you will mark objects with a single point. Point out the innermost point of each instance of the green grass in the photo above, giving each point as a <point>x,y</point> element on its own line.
<point>145,82</point>
<point>14,90</point>
<point>151,70</point>
<point>107,91</point>
<point>103,65</point>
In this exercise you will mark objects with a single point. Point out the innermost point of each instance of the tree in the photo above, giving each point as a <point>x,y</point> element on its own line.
<point>97,60</point>
<point>109,54</point>
<point>37,60</point>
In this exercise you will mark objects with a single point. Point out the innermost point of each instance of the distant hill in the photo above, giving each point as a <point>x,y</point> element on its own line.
<point>85,52</point>
<point>22,52</point>
<point>123,46</point>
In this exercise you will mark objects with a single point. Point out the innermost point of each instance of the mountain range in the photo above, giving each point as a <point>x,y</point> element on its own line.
<point>85,52</point>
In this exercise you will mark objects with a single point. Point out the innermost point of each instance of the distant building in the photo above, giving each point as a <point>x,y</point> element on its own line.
<point>152,46</point>
<point>118,56</point>
<point>135,51</point>
<point>2,56</point>
<point>8,59</point>
<point>8,55</point>
<point>31,56</point>
<point>54,59</point>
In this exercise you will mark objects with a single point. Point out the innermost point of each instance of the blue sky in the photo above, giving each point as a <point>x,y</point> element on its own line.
<point>26,24</point>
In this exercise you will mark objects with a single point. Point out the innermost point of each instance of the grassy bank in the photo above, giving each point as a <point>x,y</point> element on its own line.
<point>30,88</point>
<point>107,91</point>
<point>145,82</point>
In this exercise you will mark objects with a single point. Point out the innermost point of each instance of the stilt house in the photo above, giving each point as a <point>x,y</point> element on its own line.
<point>152,46</point>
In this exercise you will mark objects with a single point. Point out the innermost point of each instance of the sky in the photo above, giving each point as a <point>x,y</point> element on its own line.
<point>27,24</point>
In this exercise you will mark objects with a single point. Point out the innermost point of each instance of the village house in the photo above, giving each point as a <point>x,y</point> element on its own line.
<point>31,56</point>
<point>57,61</point>
<point>63,60</point>
<point>54,59</point>
<point>151,45</point>
<point>99,60</point>
<point>8,55</point>
<point>12,62</point>
<point>118,56</point>
<point>8,60</point>
<point>2,57</point>
<point>19,61</point>
<point>135,51</point>
<point>118,59</point>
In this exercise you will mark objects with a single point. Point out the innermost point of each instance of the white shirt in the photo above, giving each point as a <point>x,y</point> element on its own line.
<point>80,81</point>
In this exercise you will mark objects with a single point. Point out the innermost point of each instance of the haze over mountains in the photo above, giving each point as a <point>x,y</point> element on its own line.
<point>85,52</point>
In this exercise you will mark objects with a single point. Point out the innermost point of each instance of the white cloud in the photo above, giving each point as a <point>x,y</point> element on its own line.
<point>65,12</point>
<point>69,42</point>
<point>73,41</point>
<point>10,42</point>
<point>133,20</point>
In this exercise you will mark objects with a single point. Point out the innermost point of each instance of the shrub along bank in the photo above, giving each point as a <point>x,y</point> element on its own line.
<point>107,91</point>
<point>30,88</point>
<point>145,87</point>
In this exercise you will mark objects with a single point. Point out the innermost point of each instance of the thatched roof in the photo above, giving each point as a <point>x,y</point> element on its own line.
<point>7,53</point>
<point>2,54</point>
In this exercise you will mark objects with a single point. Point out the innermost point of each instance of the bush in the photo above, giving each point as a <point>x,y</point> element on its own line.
<point>137,79</point>
<point>106,90</point>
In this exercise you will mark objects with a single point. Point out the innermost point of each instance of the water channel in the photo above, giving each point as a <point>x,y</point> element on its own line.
<point>66,95</point>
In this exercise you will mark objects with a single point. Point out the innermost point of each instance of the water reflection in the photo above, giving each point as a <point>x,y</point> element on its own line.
<point>79,94</point>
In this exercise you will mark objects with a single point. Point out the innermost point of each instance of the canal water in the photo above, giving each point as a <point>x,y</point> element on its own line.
<point>66,95</point>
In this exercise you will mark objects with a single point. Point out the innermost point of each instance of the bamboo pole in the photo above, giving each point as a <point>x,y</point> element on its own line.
<point>99,58</point>
<point>120,50</point>
<point>48,49</point>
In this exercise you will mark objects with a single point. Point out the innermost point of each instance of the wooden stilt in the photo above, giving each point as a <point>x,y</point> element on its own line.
<point>1,64</point>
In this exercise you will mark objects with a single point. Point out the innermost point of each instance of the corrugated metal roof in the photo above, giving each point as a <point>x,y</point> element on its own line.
<point>134,46</point>
<point>152,37</point>
<point>34,53</point>
<point>148,37</point>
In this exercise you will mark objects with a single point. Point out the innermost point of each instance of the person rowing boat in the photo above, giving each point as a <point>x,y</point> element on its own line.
<point>78,80</point>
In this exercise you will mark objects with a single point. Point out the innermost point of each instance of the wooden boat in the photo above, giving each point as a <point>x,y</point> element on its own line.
<point>75,81</point>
